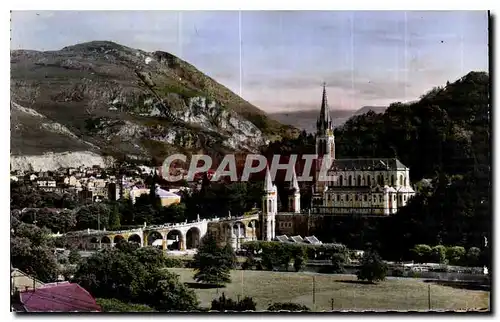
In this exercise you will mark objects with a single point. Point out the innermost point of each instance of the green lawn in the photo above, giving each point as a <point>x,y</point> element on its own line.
<point>396,294</point>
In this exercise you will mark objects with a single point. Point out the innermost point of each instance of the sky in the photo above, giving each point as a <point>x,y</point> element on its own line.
<point>278,60</point>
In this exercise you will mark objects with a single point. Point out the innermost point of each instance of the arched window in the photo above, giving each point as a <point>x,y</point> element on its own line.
<point>405,182</point>
<point>359,180</point>
<point>392,180</point>
<point>366,197</point>
<point>369,180</point>
<point>338,197</point>
<point>341,180</point>
<point>401,180</point>
<point>350,181</point>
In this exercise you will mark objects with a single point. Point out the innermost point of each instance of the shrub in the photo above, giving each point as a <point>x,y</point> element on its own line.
<point>213,264</point>
<point>372,269</point>
<point>74,257</point>
<point>338,262</point>
<point>421,253</point>
<point>114,305</point>
<point>249,263</point>
<point>473,256</point>
<point>226,304</point>
<point>438,254</point>
<point>288,306</point>
<point>455,255</point>
<point>174,262</point>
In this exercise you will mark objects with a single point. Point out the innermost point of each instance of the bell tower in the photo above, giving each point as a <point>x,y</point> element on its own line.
<point>294,196</point>
<point>325,140</point>
<point>269,209</point>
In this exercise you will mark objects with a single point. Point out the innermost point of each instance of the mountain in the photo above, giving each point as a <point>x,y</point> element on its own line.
<point>102,98</point>
<point>366,109</point>
<point>306,120</point>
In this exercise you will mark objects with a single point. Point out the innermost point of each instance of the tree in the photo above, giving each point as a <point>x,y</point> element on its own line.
<point>299,257</point>
<point>421,253</point>
<point>165,292</point>
<point>223,304</point>
<point>112,274</point>
<point>134,276</point>
<point>30,247</point>
<point>114,218</point>
<point>372,269</point>
<point>93,216</point>
<point>473,256</point>
<point>455,255</point>
<point>114,305</point>
<point>212,263</point>
<point>60,221</point>
<point>150,256</point>
<point>288,307</point>
<point>338,262</point>
<point>438,254</point>
<point>74,257</point>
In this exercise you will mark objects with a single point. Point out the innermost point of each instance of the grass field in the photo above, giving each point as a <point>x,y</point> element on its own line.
<point>393,294</point>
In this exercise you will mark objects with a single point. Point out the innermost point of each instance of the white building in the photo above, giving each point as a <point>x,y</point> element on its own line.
<point>359,186</point>
<point>269,209</point>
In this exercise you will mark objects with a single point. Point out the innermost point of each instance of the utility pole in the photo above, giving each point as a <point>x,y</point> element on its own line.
<point>314,292</point>
<point>99,227</point>
<point>429,295</point>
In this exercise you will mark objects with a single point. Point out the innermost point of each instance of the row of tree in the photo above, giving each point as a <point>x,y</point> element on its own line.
<point>453,255</point>
<point>62,213</point>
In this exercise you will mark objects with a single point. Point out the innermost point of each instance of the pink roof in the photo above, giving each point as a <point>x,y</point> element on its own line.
<point>63,297</point>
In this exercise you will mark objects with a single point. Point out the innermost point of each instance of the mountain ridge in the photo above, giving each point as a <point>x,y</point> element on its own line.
<point>126,102</point>
<point>306,119</point>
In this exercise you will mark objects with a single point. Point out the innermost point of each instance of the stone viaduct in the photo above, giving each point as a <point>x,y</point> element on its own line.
<point>180,236</point>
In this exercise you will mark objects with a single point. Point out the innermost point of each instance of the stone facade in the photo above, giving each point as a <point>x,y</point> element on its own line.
<point>356,186</point>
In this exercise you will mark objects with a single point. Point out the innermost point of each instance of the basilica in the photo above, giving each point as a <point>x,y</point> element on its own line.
<point>370,187</point>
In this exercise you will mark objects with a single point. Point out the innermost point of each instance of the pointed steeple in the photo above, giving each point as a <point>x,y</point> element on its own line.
<point>294,184</point>
<point>324,121</point>
<point>268,183</point>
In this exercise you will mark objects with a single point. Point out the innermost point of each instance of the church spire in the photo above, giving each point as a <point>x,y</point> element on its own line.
<point>324,121</point>
<point>294,184</point>
<point>268,183</point>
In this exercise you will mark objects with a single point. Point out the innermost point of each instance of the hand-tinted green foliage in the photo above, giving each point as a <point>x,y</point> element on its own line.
<point>372,268</point>
<point>174,262</point>
<point>277,255</point>
<point>338,262</point>
<point>27,196</point>
<point>456,255</point>
<point>220,198</point>
<point>56,220</point>
<point>74,257</point>
<point>421,253</point>
<point>438,254</point>
<point>288,307</point>
<point>114,305</point>
<point>223,304</point>
<point>135,276</point>
<point>213,263</point>
<point>32,251</point>
<point>473,256</point>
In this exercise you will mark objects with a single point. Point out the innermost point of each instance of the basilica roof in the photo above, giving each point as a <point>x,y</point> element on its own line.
<point>367,164</point>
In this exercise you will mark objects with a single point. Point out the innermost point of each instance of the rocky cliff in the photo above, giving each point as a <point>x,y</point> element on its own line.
<point>101,98</point>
